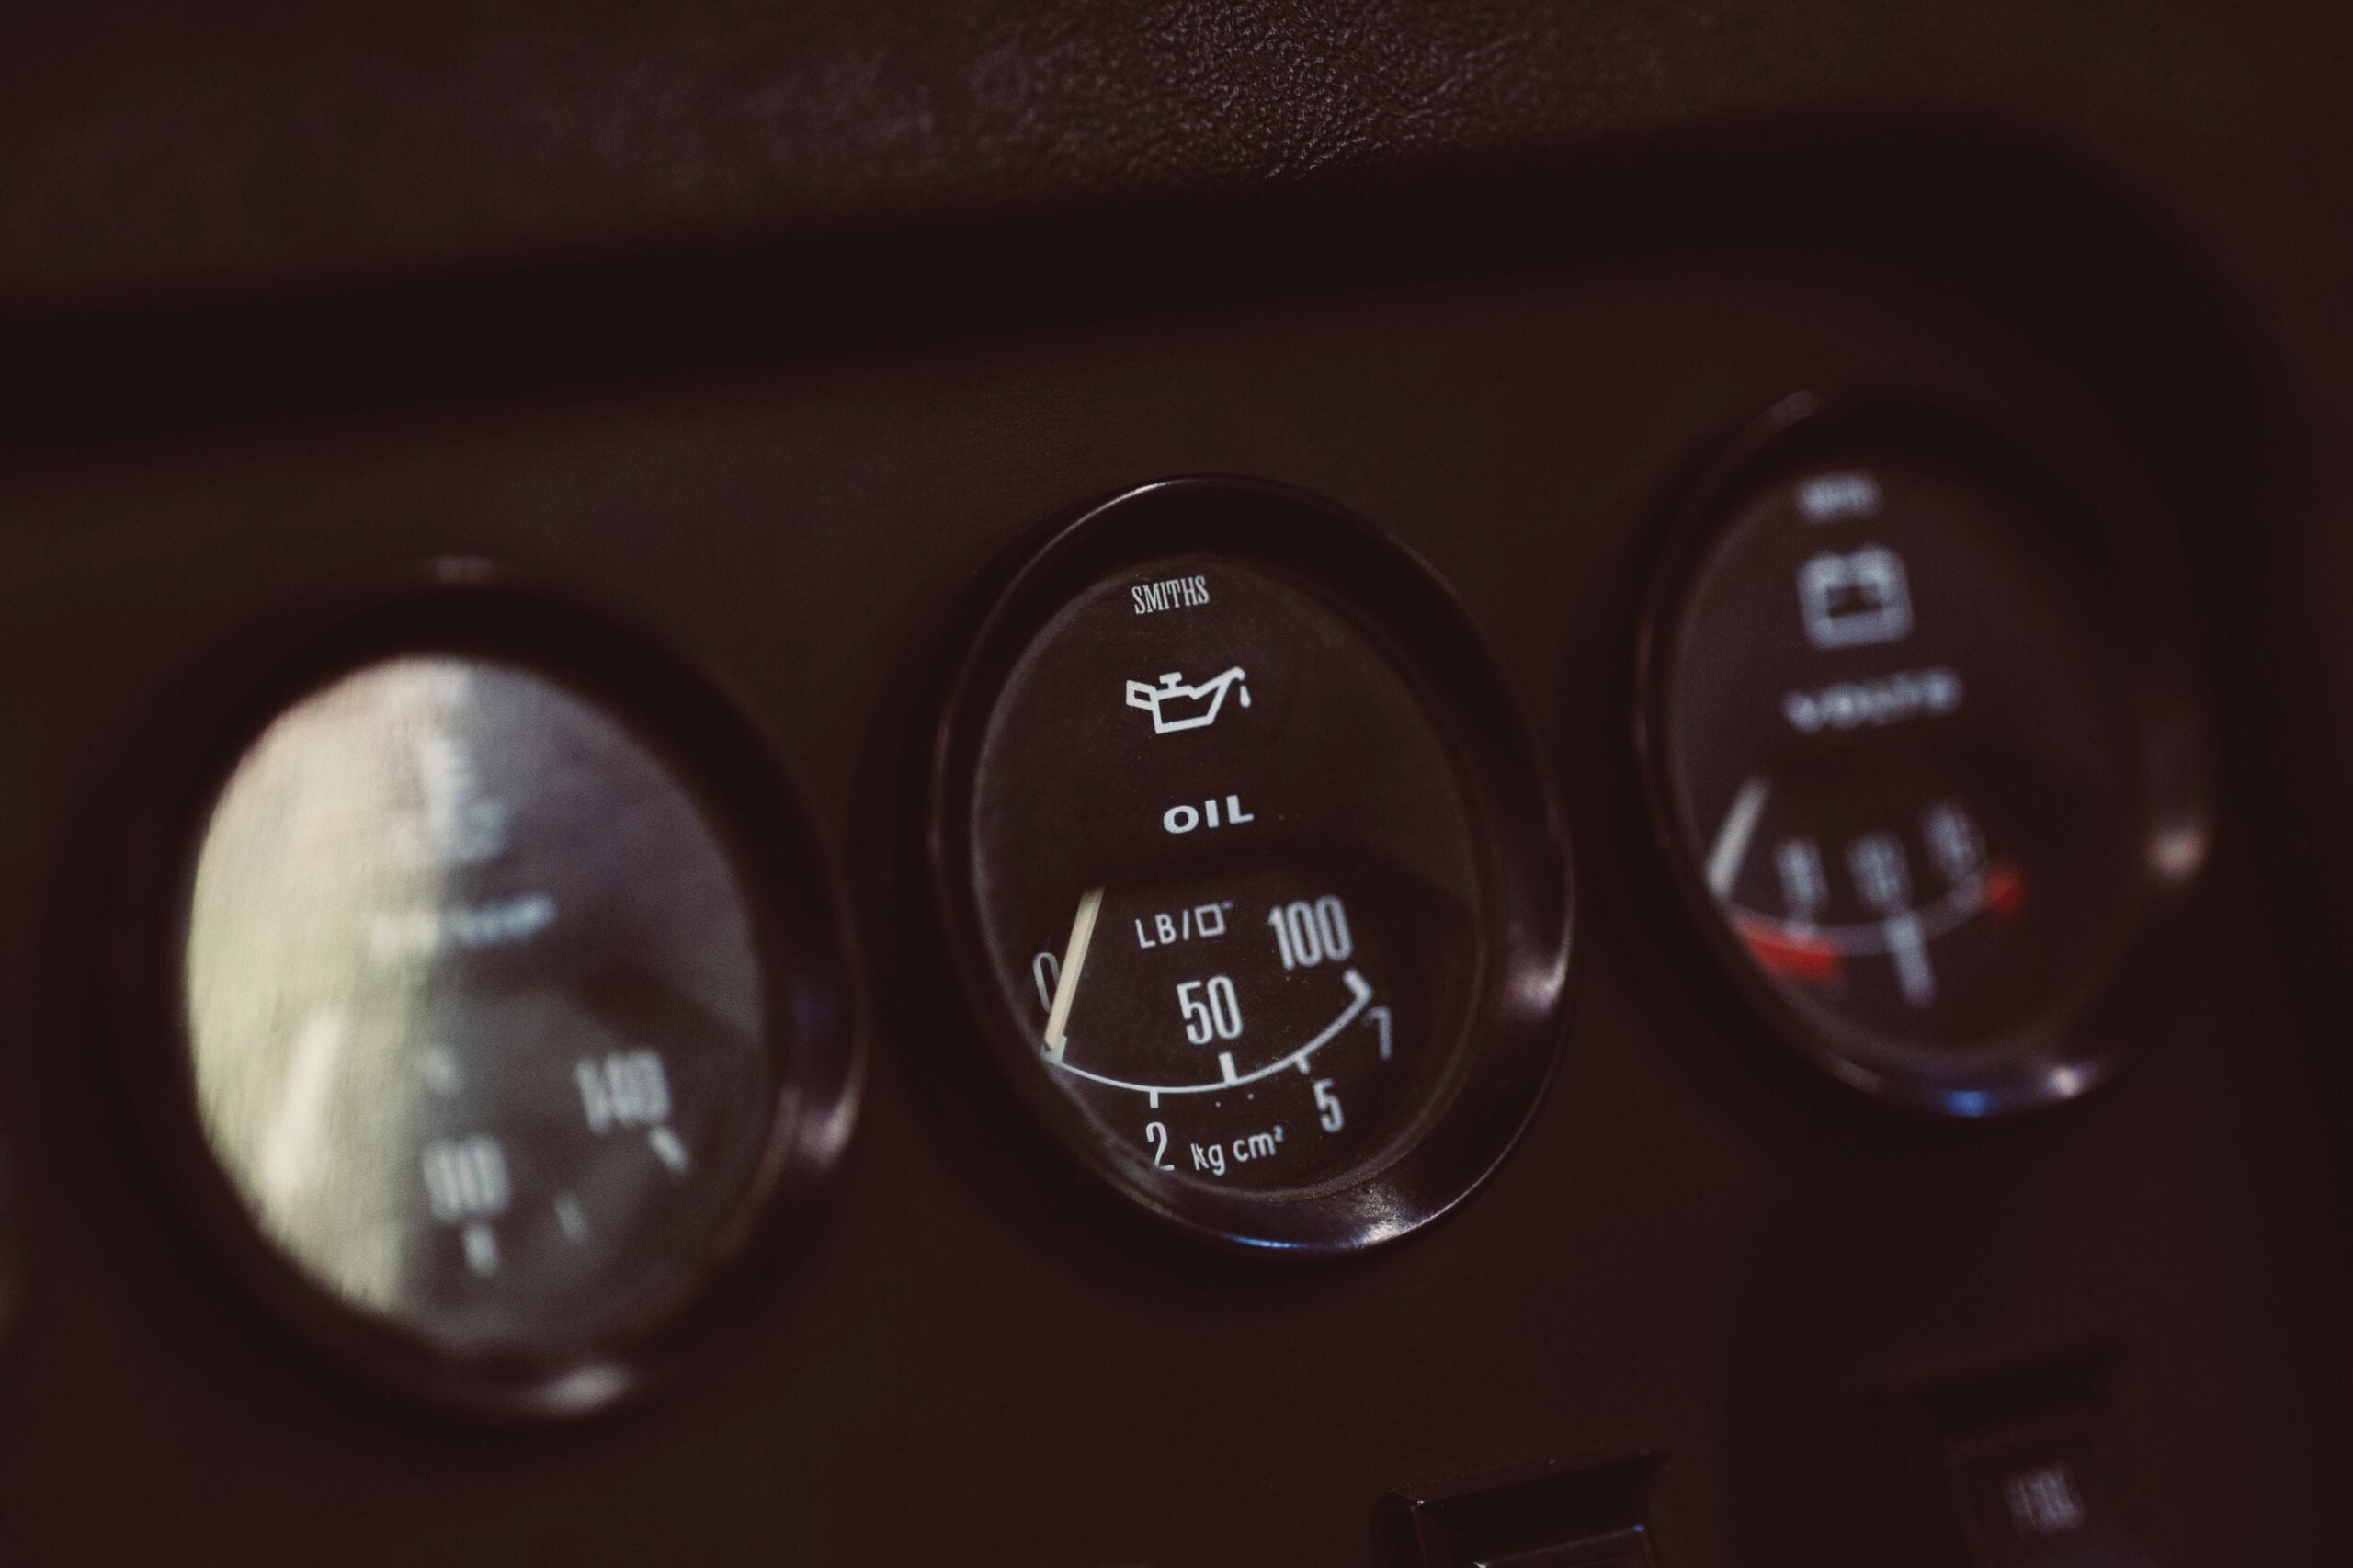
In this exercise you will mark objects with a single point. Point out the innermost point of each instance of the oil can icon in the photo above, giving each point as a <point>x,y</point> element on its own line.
<point>1174,705</point>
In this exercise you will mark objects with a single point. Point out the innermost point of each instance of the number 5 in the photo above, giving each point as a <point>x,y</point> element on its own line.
<point>1327,1107</point>
<point>1198,1024</point>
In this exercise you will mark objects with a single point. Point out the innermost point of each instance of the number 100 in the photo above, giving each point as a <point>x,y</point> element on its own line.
<point>1307,934</point>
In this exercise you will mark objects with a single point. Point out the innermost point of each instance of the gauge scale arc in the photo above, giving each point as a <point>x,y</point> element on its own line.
<point>1925,779</point>
<point>497,1018</point>
<point>1266,914</point>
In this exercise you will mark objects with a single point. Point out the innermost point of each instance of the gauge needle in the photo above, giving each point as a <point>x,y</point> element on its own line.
<point>1082,932</point>
<point>1731,846</point>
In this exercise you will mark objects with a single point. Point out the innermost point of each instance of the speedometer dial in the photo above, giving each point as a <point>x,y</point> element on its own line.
<point>1266,914</point>
<point>497,1002</point>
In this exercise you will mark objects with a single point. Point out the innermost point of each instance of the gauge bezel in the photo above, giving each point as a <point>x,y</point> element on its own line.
<point>2081,1040</point>
<point>709,740</point>
<point>1513,1025</point>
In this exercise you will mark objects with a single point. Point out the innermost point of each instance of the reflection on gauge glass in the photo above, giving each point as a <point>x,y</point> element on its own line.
<point>477,1021</point>
<point>1230,870</point>
<point>1908,773</point>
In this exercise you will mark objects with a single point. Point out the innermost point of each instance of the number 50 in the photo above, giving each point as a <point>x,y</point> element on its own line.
<point>1212,1010</point>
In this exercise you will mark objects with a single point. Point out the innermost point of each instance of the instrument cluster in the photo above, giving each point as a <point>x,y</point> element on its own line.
<point>498,1018</point>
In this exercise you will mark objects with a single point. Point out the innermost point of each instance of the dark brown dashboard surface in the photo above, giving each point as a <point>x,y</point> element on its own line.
<point>785,336</point>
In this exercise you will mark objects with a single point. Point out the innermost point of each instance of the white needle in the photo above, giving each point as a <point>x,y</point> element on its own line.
<point>1907,947</point>
<point>295,1145</point>
<point>1082,932</point>
<point>1731,839</point>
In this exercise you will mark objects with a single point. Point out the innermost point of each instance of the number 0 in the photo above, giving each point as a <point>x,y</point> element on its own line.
<point>1225,1007</point>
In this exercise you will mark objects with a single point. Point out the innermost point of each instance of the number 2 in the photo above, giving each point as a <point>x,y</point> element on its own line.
<point>1156,1134</point>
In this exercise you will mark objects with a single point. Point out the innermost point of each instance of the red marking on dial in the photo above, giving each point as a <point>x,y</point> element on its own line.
<point>2005,892</point>
<point>1799,957</point>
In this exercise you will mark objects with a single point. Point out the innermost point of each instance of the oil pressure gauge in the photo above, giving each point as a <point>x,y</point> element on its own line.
<point>1923,771</point>
<point>1251,870</point>
<point>497,1002</point>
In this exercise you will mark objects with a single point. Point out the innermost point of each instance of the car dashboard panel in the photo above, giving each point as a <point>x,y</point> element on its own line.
<point>1608,856</point>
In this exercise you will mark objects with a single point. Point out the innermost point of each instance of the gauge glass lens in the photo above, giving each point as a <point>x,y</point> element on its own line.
<point>474,1010</point>
<point>1899,761</point>
<point>1227,876</point>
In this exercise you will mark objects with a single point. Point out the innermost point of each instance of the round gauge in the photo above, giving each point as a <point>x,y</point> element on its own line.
<point>1922,781</point>
<point>495,1034</point>
<point>1251,868</point>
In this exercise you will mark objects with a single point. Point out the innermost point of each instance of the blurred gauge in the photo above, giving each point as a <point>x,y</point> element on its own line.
<point>1925,791</point>
<point>499,1028</point>
<point>1252,869</point>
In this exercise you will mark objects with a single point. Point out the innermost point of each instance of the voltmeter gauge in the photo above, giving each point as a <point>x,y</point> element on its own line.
<point>500,998</point>
<point>1251,868</point>
<point>1923,769</point>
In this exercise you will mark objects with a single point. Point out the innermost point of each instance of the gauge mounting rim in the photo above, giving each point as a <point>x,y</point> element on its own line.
<point>2079,1045</point>
<point>1510,1039</point>
<point>699,730</point>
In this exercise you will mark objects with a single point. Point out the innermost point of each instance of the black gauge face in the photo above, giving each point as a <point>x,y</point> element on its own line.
<point>490,1038</point>
<point>1246,962</point>
<point>1906,771</point>
<point>1230,872</point>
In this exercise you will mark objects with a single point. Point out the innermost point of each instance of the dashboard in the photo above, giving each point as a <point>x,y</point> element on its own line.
<point>1609,851</point>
